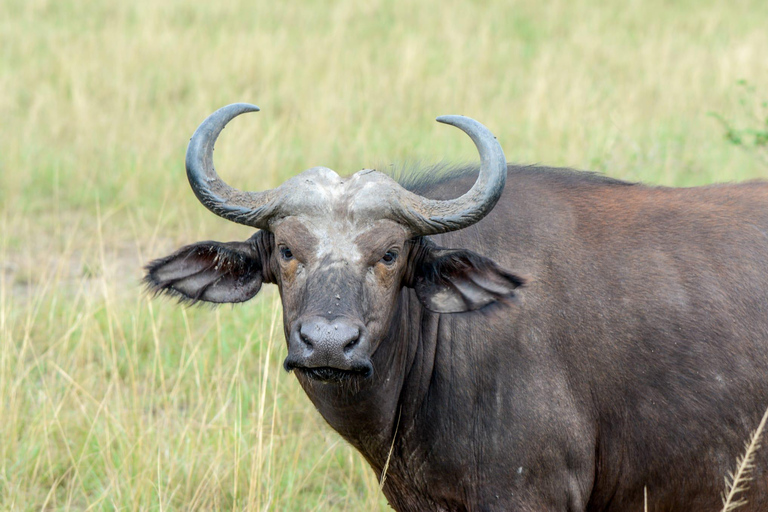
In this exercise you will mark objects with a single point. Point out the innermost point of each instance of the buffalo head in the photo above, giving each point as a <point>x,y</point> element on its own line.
<point>340,251</point>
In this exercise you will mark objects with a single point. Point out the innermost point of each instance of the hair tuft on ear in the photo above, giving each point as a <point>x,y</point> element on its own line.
<point>456,280</point>
<point>212,272</point>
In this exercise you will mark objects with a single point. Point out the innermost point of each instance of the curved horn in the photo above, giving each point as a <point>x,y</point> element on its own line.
<point>249,208</point>
<point>428,216</point>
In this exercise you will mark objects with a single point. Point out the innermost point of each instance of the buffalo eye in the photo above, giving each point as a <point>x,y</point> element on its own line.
<point>389,257</point>
<point>286,253</point>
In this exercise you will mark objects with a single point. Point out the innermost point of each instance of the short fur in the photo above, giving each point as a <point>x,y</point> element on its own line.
<point>634,357</point>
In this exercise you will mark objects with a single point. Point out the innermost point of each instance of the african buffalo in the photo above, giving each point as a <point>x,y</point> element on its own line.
<point>560,346</point>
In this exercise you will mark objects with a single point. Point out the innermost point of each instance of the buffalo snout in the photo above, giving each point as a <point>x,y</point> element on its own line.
<point>329,349</point>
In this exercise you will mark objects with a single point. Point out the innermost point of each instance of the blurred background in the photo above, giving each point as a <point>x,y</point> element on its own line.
<point>110,400</point>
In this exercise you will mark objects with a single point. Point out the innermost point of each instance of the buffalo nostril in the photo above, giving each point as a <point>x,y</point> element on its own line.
<point>353,340</point>
<point>306,339</point>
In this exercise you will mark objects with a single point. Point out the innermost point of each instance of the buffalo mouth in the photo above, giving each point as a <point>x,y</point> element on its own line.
<point>330,374</point>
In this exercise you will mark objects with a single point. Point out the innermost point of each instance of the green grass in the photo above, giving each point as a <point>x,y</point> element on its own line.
<point>110,400</point>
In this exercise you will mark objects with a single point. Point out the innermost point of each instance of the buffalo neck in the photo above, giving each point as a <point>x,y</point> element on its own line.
<point>370,413</point>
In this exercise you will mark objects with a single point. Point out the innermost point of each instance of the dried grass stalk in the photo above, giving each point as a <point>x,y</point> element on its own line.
<point>738,482</point>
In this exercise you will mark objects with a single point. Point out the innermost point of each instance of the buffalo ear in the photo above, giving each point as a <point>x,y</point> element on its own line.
<point>214,271</point>
<point>456,280</point>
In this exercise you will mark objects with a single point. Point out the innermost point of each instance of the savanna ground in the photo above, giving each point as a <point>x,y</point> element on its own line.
<point>110,400</point>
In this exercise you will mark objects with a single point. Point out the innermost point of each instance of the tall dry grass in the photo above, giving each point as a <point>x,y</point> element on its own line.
<point>111,401</point>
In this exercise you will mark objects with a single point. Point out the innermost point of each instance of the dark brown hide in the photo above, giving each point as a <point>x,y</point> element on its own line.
<point>634,357</point>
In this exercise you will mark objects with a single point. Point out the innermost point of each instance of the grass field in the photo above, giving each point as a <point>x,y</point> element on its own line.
<point>110,400</point>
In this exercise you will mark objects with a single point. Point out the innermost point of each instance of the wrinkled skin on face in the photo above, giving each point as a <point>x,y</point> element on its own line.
<point>339,292</point>
<point>338,268</point>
